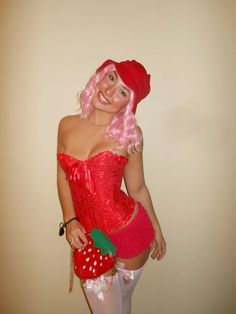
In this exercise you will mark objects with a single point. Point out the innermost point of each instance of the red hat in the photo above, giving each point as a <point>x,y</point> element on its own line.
<point>134,75</point>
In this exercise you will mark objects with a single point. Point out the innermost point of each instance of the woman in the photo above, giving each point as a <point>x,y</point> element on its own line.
<point>95,150</point>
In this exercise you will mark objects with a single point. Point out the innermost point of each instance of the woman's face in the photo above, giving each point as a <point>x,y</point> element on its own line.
<point>111,95</point>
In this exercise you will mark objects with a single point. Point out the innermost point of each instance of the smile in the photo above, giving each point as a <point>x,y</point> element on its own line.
<point>103,99</point>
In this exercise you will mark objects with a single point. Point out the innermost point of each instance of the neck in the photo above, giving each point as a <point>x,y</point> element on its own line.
<point>99,119</point>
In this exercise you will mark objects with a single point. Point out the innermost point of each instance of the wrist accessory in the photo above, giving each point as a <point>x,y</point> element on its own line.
<point>62,225</point>
<point>96,258</point>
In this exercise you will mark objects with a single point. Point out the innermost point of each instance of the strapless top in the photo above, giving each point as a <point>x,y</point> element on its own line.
<point>95,186</point>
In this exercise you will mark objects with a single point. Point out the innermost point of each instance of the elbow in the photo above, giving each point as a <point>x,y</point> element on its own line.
<point>138,193</point>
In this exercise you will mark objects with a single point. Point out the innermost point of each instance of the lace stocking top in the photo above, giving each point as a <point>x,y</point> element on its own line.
<point>95,186</point>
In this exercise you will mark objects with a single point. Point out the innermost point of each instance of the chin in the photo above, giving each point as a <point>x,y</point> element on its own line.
<point>97,105</point>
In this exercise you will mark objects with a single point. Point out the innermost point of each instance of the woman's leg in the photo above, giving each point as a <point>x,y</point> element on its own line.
<point>111,293</point>
<point>129,272</point>
<point>128,280</point>
<point>117,299</point>
<point>104,295</point>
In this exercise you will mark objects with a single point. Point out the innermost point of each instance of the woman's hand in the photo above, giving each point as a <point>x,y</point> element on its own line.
<point>158,246</point>
<point>75,235</point>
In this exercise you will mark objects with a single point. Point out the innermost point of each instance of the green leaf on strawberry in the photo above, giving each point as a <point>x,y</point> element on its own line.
<point>102,241</point>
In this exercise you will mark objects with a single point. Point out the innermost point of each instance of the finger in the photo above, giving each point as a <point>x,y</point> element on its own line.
<point>71,242</point>
<point>162,251</point>
<point>158,252</point>
<point>74,241</point>
<point>83,237</point>
<point>155,252</point>
<point>153,246</point>
<point>83,230</point>
<point>159,256</point>
<point>160,246</point>
<point>79,233</point>
<point>77,243</point>
<point>154,256</point>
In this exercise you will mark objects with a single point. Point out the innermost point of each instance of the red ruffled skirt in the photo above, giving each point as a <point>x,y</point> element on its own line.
<point>134,238</point>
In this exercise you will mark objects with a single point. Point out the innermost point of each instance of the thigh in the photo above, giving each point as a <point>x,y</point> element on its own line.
<point>131,263</point>
<point>136,261</point>
<point>133,241</point>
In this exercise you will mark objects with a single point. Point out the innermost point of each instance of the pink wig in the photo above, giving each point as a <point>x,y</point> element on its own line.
<point>123,128</point>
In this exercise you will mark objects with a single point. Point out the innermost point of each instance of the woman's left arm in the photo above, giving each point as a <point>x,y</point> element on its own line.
<point>136,188</point>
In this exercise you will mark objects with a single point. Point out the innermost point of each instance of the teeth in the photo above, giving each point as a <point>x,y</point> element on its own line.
<point>102,98</point>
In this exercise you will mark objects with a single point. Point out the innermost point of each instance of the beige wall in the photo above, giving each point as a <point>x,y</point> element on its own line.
<point>48,51</point>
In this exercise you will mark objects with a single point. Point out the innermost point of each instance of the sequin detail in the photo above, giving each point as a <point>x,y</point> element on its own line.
<point>95,185</point>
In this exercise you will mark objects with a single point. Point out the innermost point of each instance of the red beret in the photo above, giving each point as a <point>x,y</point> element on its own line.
<point>134,75</point>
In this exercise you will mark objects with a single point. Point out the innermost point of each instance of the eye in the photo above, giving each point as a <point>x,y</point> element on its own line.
<point>111,77</point>
<point>123,92</point>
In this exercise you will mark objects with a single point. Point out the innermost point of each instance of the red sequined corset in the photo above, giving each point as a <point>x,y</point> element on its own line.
<point>95,185</point>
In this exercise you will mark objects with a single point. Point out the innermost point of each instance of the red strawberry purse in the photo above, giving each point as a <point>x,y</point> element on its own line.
<point>97,257</point>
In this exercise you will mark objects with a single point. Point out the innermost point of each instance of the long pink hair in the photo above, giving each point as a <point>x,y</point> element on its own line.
<point>123,127</point>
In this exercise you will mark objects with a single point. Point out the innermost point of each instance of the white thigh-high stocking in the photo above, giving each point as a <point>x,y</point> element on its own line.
<point>104,294</point>
<point>128,280</point>
<point>112,294</point>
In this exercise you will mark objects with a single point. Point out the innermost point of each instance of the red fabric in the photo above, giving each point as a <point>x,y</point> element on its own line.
<point>134,75</point>
<point>95,188</point>
<point>89,262</point>
<point>134,238</point>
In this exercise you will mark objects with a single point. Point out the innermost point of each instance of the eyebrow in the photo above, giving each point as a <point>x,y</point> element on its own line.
<point>115,74</point>
<point>126,88</point>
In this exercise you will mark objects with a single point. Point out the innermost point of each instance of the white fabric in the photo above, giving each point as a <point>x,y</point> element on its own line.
<point>104,295</point>
<point>112,294</point>
<point>128,280</point>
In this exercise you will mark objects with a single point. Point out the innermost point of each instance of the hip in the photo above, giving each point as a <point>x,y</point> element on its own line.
<point>135,236</point>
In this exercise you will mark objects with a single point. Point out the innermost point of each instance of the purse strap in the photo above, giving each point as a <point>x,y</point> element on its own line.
<point>72,273</point>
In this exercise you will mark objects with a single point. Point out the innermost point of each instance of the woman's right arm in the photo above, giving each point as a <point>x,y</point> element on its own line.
<point>74,230</point>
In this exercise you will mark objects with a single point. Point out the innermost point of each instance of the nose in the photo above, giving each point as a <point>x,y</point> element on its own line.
<point>110,90</point>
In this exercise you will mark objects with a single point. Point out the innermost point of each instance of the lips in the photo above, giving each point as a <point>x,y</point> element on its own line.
<point>103,100</point>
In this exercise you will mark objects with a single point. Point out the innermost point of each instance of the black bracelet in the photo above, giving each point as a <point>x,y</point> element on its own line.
<point>62,225</point>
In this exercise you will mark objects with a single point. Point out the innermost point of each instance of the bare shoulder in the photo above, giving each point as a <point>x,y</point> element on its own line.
<point>136,155</point>
<point>139,130</point>
<point>67,122</point>
<point>66,127</point>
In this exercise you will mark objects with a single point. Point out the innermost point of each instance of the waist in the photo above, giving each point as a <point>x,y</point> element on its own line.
<point>107,215</point>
